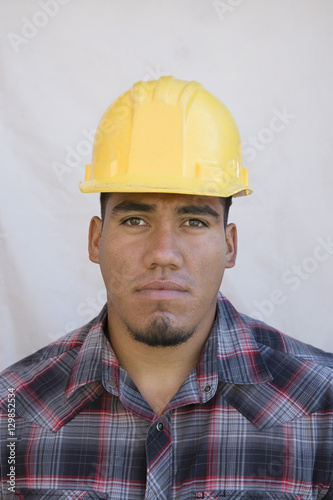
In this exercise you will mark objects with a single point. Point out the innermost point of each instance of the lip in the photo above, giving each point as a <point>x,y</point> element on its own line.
<point>161,289</point>
<point>162,285</point>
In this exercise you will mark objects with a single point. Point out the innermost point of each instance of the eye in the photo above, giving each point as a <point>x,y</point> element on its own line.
<point>134,221</point>
<point>195,223</point>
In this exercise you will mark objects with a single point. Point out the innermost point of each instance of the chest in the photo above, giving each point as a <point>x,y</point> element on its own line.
<point>197,451</point>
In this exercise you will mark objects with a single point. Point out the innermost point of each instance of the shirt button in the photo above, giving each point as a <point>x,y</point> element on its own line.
<point>111,383</point>
<point>207,388</point>
<point>159,426</point>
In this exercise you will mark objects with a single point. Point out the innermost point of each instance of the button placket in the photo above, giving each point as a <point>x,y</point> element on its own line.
<point>159,460</point>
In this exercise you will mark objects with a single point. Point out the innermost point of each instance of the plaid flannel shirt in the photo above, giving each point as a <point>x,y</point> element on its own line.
<point>254,420</point>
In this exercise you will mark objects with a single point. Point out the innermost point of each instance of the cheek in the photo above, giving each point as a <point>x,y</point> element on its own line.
<point>210,263</point>
<point>214,270</point>
<point>116,265</point>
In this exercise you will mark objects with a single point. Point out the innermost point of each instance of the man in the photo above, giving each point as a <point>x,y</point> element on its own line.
<point>169,393</point>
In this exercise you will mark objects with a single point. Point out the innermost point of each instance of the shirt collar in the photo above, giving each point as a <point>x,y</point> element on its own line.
<point>96,361</point>
<point>231,350</point>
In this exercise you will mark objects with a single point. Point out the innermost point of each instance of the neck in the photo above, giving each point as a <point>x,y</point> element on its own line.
<point>158,372</point>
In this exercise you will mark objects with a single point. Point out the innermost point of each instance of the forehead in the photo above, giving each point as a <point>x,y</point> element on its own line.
<point>165,200</point>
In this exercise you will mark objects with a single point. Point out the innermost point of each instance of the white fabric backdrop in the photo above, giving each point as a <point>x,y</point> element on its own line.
<point>64,61</point>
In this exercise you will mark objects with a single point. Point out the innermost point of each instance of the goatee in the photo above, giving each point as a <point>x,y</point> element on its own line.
<point>160,333</point>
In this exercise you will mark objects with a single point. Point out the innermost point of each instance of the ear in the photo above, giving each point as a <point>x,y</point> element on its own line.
<point>95,232</point>
<point>231,245</point>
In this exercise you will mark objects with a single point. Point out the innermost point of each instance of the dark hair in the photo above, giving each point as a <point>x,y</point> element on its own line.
<point>104,200</point>
<point>226,203</point>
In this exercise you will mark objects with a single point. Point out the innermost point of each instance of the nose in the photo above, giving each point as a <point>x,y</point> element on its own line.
<point>163,248</point>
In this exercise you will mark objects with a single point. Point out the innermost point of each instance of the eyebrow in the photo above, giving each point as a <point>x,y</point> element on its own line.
<point>197,210</point>
<point>132,206</point>
<point>137,206</point>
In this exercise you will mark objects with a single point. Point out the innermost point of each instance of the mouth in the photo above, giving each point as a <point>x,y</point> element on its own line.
<point>161,290</point>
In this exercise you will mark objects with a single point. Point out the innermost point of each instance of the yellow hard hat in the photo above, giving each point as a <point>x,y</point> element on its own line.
<point>167,136</point>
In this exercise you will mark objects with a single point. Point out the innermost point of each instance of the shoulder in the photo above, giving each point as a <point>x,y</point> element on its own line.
<point>70,342</point>
<point>53,362</point>
<point>272,338</point>
<point>300,379</point>
<point>52,385</point>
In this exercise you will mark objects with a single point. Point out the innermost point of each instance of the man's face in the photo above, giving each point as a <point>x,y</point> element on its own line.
<point>162,257</point>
